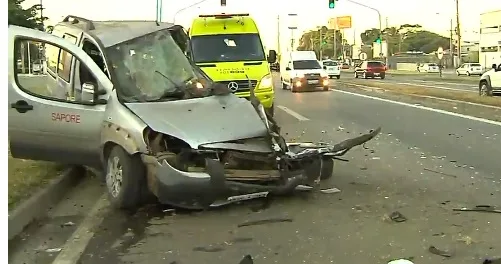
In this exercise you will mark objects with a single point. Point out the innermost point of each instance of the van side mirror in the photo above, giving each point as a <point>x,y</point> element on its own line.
<point>272,56</point>
<point>325,67</point>
<point>494,66</point>
<point>88,93</point>
<point>287,68</point>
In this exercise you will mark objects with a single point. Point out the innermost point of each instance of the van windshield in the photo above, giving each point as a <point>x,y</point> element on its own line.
<point>150,67</point>
<point>306,64</point>
<point>227,48</point>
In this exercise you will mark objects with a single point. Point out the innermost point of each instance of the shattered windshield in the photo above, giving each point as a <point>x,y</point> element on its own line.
<point>151,67</point>
<point>227,48</point>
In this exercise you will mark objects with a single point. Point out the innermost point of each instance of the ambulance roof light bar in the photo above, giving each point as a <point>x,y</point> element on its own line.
<point>223,15</point>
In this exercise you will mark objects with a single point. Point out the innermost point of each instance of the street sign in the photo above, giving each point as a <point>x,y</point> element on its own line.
<point>344,22</point>
<point>440,53</point>
<point>362,56</point>
<point>332,23</point>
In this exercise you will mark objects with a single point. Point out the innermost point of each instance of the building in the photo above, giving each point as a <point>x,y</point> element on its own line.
<point>490,38</point>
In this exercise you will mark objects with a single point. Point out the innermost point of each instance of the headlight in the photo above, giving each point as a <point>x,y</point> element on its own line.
<point>266,82</point>
<point>324,74</point>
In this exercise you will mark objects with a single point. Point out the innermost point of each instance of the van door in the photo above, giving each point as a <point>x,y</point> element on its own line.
<point>47,125</point>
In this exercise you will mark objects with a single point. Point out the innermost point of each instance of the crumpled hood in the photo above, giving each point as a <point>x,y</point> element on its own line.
<point>202,120</point>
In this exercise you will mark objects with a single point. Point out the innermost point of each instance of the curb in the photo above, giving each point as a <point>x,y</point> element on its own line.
<point>36,206</point>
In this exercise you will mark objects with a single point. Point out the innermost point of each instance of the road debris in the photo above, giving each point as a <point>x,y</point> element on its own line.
<point>209,249</point>
<point>397,217</point>
<point>466,239</point>
<point>492,261</point>
<point>265,221</point>
<point>68,224</point>
<point>330,190</point>
<point>436,251</point>
<point>53,250</point>
<point>479,208</point>
<point>246,260</point>
<point>441,173</point>
<point>401,261</point>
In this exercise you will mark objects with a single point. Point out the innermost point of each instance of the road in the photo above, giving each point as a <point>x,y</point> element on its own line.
<point>423,165</point>
<point>448,82</point>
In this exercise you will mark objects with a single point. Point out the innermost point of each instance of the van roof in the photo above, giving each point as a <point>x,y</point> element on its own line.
<point>215,25</point>
<point>113,32</point>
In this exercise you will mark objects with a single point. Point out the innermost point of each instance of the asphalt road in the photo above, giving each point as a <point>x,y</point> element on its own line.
<point>448,82</point>
<point>423,165</point>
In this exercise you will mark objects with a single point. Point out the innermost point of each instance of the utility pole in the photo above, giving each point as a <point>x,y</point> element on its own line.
<point>278,35</point>
<point>458,28</point>
<point>335,42</point>
<point>321,43</point>
<point>379,18</point>
<point>451,47</point>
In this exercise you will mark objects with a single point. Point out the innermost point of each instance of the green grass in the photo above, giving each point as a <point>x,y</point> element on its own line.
<point>27,176</point>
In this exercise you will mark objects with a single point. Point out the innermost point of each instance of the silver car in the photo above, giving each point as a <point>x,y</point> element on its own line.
<point>470,69</point>
<point>137,108</point>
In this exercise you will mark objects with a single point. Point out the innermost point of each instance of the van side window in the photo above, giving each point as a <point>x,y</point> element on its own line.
<point>42,85</point>
<point>65,58</point>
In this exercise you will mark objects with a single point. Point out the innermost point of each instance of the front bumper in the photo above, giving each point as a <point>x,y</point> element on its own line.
<point>310,82</point>
<point>200,190</point>
<point>266,97</point>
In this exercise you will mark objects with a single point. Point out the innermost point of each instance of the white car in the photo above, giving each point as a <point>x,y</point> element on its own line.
<point>490,82</point>
<point>332,68</point>
<point>429,67</point>
<point>470,69</point>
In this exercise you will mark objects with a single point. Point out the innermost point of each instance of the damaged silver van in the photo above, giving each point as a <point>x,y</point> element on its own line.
<point>123,97</point>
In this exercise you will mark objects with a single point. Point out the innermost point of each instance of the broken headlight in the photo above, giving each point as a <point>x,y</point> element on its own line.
<point>266,82</point>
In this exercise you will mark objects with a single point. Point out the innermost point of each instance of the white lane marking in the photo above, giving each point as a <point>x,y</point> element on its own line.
<point>292,113</point>
<point>76,244</point>
<point>438,87</point>
<point>369,88</point>
<point>483,120</point>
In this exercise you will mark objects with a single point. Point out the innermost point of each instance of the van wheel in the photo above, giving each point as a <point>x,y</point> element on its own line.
<point>327,168</point>
<point>284,86</point>
<point>125,179</point>
<point>339,76</point>
<point>484,89</point>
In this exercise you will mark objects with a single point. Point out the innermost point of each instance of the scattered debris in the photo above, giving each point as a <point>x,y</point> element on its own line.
<point>209,249</point>
<point>53,250</point>
<point>171,210</point>
<point>479,208</point>
<point>68,224</point>
<point>266,221</point>
<point>330,190</point>
<point>376,158</point>
<point>492,261</point>
<point>397,217</point>
<point>436,251</point>
<point>439,172</point>
<point>241,240</point>
<point>401,261</point>
<point>466,239</point>
<point>246,260</point>
<point>302,187</point>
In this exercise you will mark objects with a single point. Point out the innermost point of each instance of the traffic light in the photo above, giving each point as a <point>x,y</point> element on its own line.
<point>378,40</point>
<point>332,4</point>
<point>324,42</point>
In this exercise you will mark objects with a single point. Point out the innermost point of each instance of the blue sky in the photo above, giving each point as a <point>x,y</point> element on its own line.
<point>433,15</point>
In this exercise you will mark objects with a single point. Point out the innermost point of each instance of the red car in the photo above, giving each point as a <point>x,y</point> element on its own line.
<point>370,69</point>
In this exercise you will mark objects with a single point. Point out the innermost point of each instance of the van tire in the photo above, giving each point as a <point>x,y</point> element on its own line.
<point>132,183</point>
<point>338,76</point>
<point>284,85</point>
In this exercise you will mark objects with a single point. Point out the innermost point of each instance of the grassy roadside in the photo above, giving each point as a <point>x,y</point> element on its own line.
<point>424,91</point>
<point>27,176</point>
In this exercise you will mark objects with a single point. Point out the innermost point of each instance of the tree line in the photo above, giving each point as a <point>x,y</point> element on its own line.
<point>404,38</point>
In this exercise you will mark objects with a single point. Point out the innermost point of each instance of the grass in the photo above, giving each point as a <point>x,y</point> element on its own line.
<point>441,93</point>
<point>27,176</point>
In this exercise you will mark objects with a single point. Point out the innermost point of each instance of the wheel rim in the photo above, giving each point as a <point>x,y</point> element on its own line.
<point>114,176</point>
<point>483,90</point>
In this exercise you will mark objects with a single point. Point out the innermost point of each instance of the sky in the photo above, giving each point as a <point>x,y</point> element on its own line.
<point>433,15</point>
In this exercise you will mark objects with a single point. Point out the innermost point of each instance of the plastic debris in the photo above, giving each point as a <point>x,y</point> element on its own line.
<point>401,261</point>
<point>246,260</point>
<point>397,217</point>
<point>53,250</point>
<point>436,251</point>
<point>330,190</point>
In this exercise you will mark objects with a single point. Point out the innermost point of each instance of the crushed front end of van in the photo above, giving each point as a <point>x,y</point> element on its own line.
<point>232,155</point>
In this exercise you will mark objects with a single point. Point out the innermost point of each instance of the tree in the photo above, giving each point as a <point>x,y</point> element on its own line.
<point>310,40</point>
<point>29,17</point>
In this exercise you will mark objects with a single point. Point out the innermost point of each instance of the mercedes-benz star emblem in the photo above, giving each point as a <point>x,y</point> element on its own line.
<point>233,86</point>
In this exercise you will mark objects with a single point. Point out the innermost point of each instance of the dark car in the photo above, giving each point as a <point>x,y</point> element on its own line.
<point>370,69</point>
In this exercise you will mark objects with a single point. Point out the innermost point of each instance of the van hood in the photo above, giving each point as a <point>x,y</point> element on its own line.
<point>201,121</point>
<point>226,71</point>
